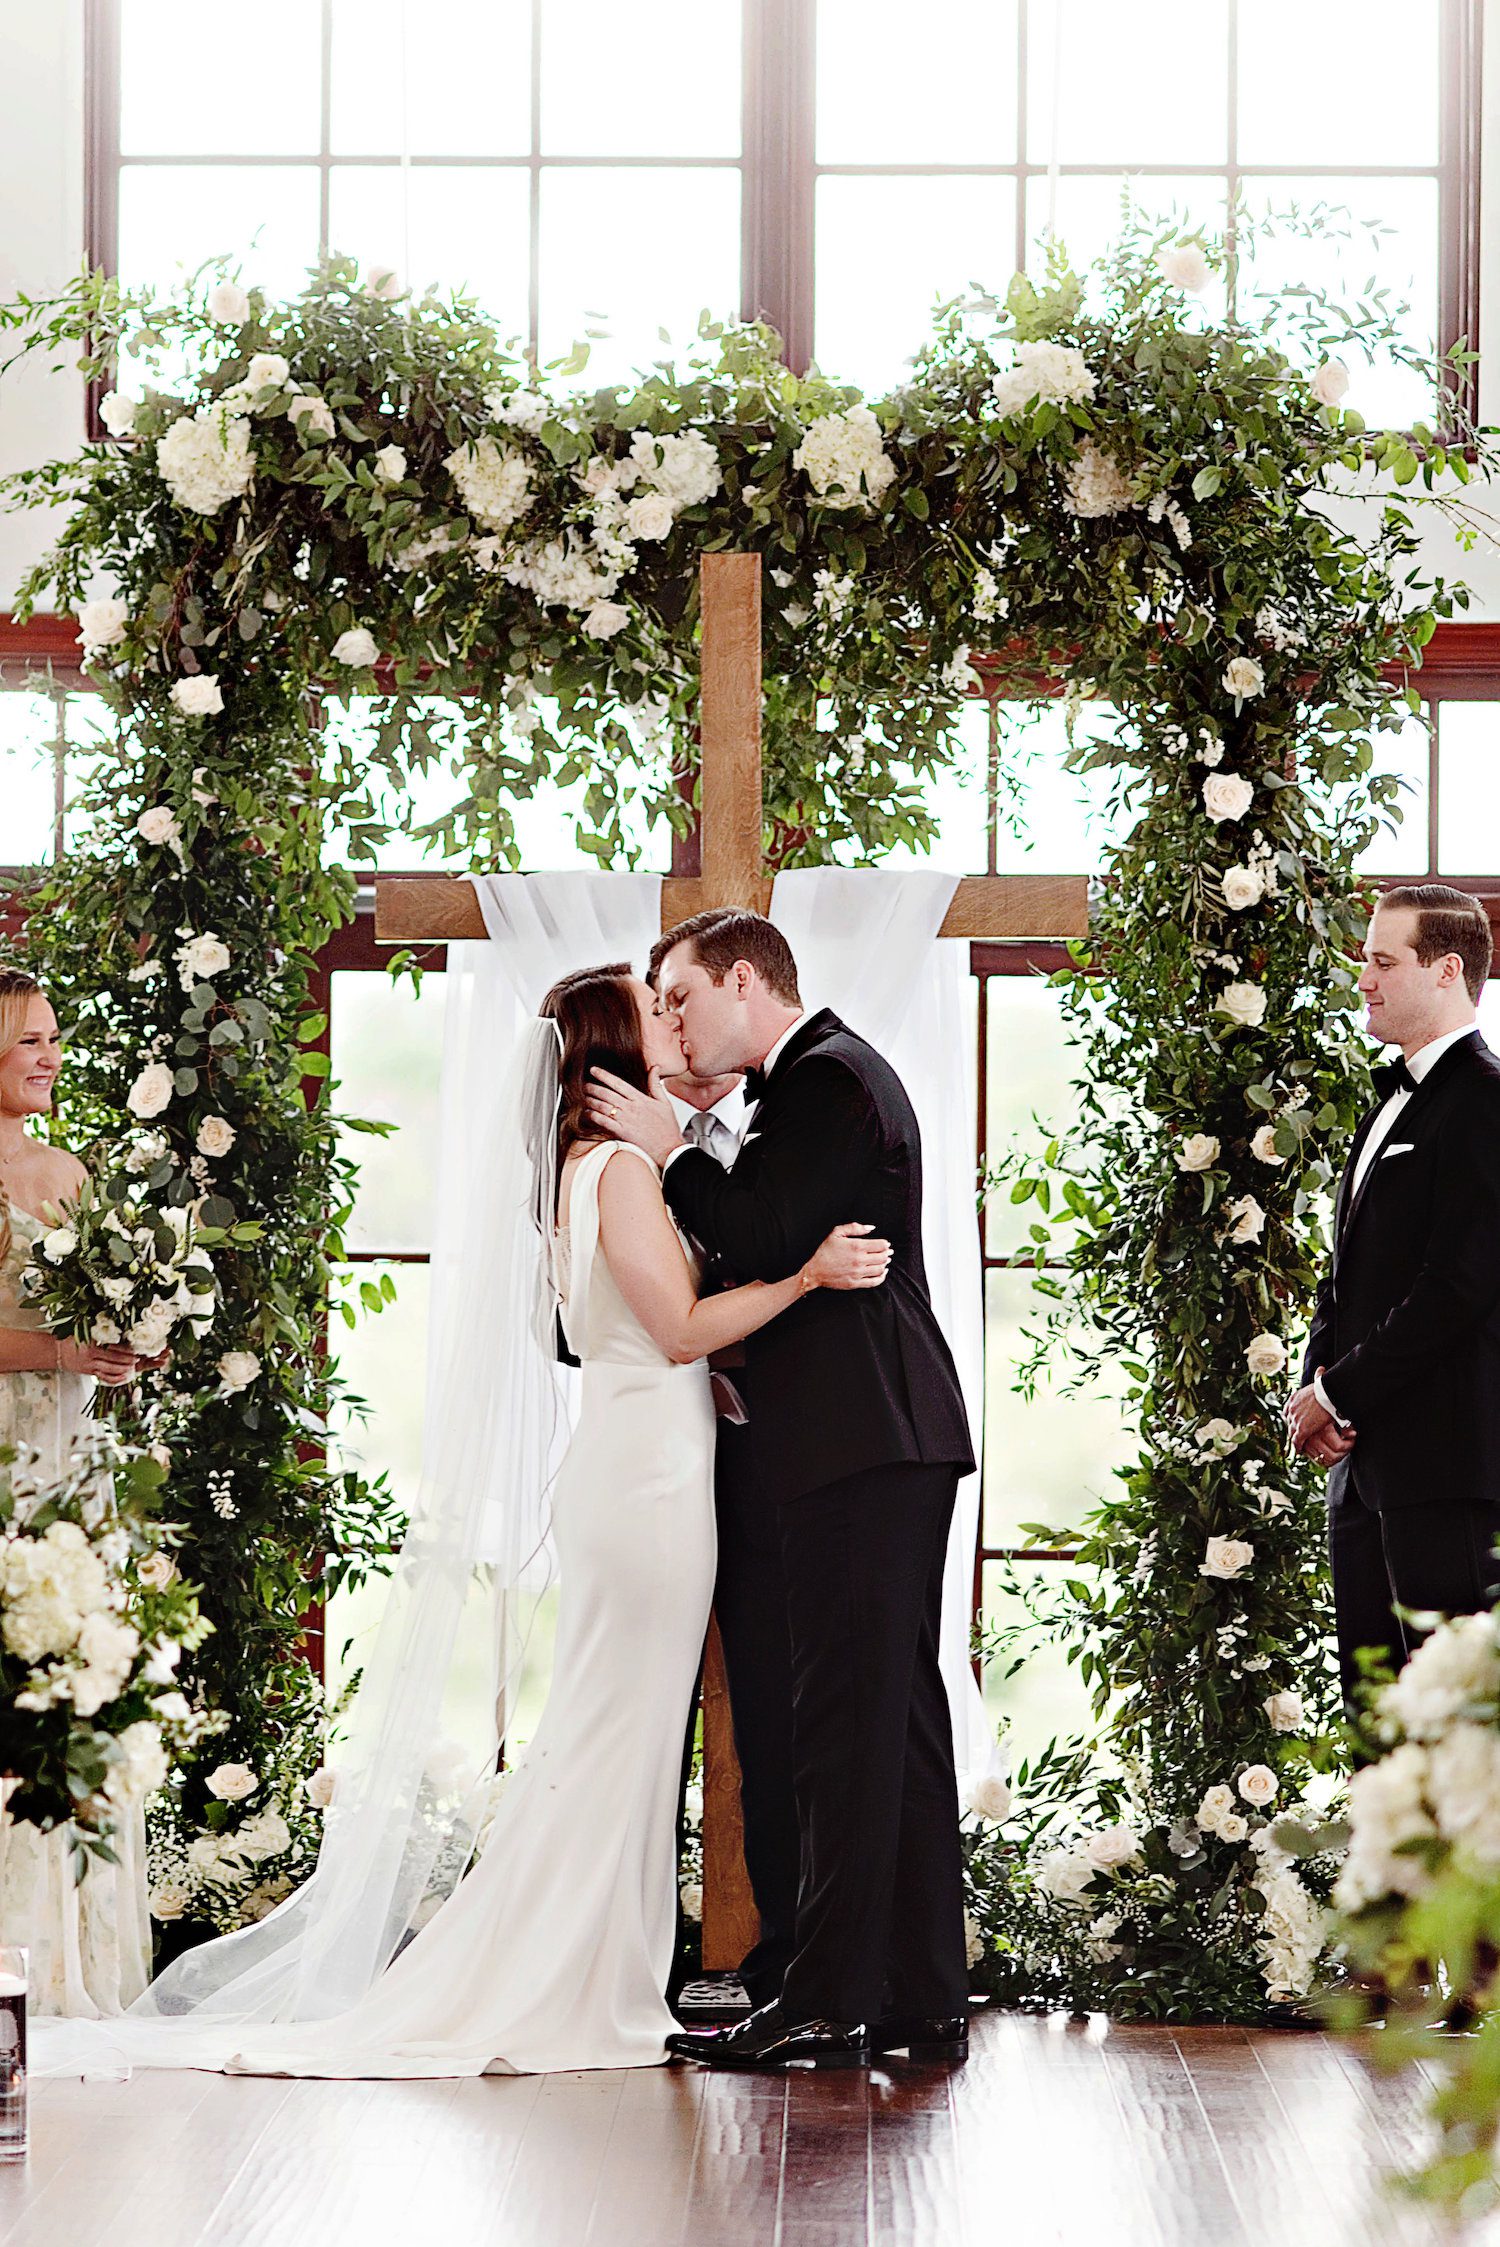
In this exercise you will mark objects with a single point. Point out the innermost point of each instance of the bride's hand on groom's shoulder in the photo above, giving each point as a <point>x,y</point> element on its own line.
<point>622,1111</point>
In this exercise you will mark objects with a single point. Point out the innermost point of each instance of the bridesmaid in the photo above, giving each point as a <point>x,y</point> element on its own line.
<point>90,1940</point>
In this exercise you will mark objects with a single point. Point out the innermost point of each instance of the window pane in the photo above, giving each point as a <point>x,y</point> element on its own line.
<point>1047,1699</point>
<point>1107,87</point>
<point>174,216</point>
<point>1405,754</point>
<point>956,796</point>
<point>1053,1459</point>
<point>669,249</point>
<point>387,1049</point>
<point>1345,259</point>
<point>1031,1067</point>
<point>925,110</point>
<point>482,108</point>
<point>1064,817</point>
<point>452,226</point>
<point>201,81</point>
<point>1309,91</point>
<point>657,78</point>
<point>1469,787</point>
<point>931,238</point>
<point>28,777</point>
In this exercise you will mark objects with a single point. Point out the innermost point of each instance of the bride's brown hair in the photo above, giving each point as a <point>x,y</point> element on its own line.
<point>17,990</point>
<point>595,1010</point>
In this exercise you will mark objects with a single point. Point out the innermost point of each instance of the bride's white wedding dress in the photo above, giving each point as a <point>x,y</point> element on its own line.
<point>554,1952</point>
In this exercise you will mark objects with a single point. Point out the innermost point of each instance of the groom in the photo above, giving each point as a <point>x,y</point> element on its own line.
<point>1401,1383</point>
<point>857,1441</point>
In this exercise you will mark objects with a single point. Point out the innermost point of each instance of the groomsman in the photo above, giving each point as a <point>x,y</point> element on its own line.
<point>1400,1392</point>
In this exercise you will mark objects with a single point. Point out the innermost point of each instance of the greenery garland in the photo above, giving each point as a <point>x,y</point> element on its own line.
<point>358,493</point>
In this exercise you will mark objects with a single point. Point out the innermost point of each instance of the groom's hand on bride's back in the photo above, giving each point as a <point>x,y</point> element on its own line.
<point>646,1119</point>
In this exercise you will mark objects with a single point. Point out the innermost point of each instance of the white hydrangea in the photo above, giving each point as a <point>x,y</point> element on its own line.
<point>526,410</point>
<point>118,412</point>
<point>418,552</point>
<point>1065,1875</point>
<point>1162,507</point>
<point>138,1766</point>
<point>1096,485</point>
<point>1454,1673</point>
<point>1463,1787</point>
<point>108,1649</point>
<point>206,460</point>
<point>564,573</point>
<point>683,469</point>
<point>844,458</point>
<point>1293,1932</point>
<point>1043,373</point>
<point>1386,1809</point>
<point>494,481</point>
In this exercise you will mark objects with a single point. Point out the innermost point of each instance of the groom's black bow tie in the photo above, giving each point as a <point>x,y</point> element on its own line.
<point>755,1084</point>
<point>1392,1077</point>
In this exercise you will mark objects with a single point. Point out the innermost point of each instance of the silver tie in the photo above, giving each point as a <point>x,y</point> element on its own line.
<point>713,1135</point>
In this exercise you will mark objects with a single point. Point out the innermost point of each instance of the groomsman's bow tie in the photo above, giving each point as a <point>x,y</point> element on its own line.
<point>1392,1077</point>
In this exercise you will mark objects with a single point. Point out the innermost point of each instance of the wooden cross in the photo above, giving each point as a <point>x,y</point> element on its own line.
<point>440,908</point>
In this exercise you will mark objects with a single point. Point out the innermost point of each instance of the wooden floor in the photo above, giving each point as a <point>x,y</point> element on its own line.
<point>1137,2138</point>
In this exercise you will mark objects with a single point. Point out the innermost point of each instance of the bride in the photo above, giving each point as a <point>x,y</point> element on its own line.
<point>553,1953</point>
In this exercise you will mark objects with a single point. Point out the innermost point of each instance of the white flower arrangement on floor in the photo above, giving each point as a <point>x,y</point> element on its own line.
<point>94,1617</point>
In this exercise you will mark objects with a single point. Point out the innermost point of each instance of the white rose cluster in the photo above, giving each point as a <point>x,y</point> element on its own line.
<point>1067,1874</point>
<point>1218,1814</point>
<point>1454,1675</point>
<point>49,1584</point>
<point>1095,485</point>
<point>206,459</point>
<point>494,481</point>
<point>843,457</point>
<point>1042,374</point>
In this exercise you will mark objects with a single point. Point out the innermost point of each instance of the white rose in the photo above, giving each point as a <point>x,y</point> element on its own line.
<point>1221,1436</point>
<point>60,1242</point>
<point>169,1899</point>
<point>1330,383</point>
<point>1243,678</point>
<point>383,283</point>
<point>1285,1712</point>
<point>692,1899</point>
<point>1216,1805</point>
<point>1226,1558</point>
<point>390,464</point>
<point>973,1941</point>
<point>198,698</point>
<point>1064,1875</point>
<point>231,1782</point>
<point>1243,887</point>
<point>101,624</point>
<point>237,1369</point>
<point>1227,795</point>
<point>1232,1827</point>
<point>1247,1220</point>
<point>1263,1145</point>
<point>1245,1004</point>
<point>1258,1785</point>
<point>1199,1151</point>
<point>201,958</point>
<point>1265,1353</point>
<point>265,1835</point>
<point>650,516</point>
<point>312,413</point>
<point>605,619</point>
<point>267,371</point>
<point>215,1136</point>
<point>1113,1848</point>
<point>156,1570</point>
<point>1185,266</point>
<point>118,412</point>
<point>319,1787</point>
<point>150,1093</point>
<point>991,1798</point>
<point>357,648</point>
<point>105,1331</point>
<point>228,303</point>
<point>158,824</point>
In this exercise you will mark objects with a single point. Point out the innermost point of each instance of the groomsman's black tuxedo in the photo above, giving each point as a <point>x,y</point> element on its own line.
<point>1407,1329</point>
<point>856,1439</point>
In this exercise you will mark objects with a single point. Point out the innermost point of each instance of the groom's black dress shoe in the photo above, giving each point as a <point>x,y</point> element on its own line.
<point>922,2036</point>
<point>770,2039</point>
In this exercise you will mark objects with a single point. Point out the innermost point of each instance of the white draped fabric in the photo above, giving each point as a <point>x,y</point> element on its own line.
<point>866,943</point>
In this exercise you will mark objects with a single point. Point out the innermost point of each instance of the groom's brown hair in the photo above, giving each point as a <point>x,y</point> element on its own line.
<point>1448,920</point>
<point>728,934</point>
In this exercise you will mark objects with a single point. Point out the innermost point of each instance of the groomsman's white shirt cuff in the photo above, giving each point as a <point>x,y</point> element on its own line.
<point>1326,1401</point>
<point>739,1092</point>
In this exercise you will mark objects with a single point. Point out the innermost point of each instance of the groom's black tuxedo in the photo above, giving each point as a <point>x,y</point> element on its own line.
<point>845,1474</point>
<point>851,1379</point>
<point>1407,1330</point>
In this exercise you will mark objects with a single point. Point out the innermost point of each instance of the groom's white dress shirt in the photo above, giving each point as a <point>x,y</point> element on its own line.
<point>1420,1064</point>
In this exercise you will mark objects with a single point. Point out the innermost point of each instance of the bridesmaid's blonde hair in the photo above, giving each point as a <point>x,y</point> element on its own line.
<point>17,990</point>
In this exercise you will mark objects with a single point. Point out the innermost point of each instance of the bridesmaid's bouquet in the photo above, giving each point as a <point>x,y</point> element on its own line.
<point>123,1266</point>
<point>93,1621</point>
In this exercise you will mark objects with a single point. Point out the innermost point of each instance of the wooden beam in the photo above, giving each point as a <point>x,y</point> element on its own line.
<point>987,908</point>
<point>729,729</point>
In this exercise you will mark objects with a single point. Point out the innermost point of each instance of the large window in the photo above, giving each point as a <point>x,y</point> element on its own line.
<point>605,172</point>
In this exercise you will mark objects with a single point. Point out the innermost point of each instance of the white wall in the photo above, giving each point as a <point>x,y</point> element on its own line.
<point>41,243</point>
